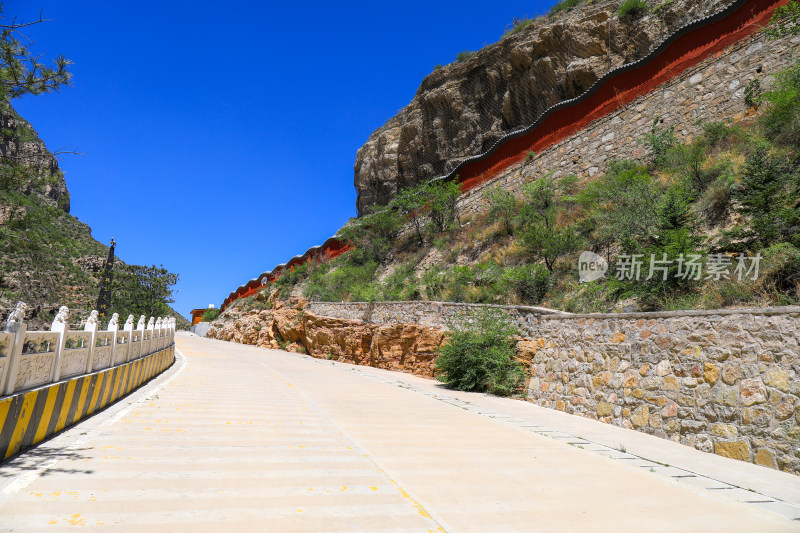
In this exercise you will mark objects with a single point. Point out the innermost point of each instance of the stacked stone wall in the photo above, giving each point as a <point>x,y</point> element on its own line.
<point>723,382</point>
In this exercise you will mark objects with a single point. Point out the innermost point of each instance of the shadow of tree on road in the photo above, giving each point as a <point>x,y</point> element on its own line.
<point>46,459</point>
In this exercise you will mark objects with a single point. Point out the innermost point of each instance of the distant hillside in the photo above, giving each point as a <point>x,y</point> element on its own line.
<point>48,258</point>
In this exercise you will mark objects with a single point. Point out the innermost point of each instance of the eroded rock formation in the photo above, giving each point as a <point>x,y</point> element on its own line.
<point>405,347</point>
<point>462,108</point>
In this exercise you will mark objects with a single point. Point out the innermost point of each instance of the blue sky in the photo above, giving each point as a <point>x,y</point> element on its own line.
<point>220,137</point>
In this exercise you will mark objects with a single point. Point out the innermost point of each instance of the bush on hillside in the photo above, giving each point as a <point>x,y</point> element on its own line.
<point>479,356</point>
<point>781,119</point>
<point>565,5</point>
<point>632,9</point>
<point>210,315</point>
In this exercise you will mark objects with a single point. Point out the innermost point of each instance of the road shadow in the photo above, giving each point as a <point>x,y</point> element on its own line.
<point>46,460</point>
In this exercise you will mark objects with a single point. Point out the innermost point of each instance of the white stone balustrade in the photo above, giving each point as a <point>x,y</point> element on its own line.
<point>30,359</point>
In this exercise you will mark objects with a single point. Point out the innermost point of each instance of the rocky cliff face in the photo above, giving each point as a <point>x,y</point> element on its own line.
<point>20,146</point>
<point>462,108</point>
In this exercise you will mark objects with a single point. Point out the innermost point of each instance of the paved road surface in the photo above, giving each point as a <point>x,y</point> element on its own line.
<point>236,438</point>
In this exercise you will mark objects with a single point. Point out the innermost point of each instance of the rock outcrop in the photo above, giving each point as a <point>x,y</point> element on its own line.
<point>405,347</point>
<point>462,108</point>
<point>21,146</point>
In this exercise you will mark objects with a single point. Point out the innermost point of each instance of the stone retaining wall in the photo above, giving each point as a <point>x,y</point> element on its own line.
<point>722,381</point>
<point>433,314</point>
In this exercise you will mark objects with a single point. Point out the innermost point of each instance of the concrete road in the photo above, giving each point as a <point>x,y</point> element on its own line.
<point>237,438</point>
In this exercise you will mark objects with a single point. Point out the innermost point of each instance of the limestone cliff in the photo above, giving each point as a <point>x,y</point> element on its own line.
<point>28,166</point>
<point>462,108</point>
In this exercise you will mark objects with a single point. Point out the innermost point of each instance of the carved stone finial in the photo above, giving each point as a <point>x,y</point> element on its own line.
<point>63,315</point>
<point>129,321</point>
<point>92,321</point>
<point>151,323</point>
<point>159,323</point>
<point>114,322</point>
<point>60,320</point>
<point>16,317</point>
<point>140,324</point>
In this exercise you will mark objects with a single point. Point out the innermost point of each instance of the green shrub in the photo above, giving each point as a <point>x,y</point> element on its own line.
<point>716,200</point>
<point>660,141</point>
<point>348,278</point>
<point>767,196</point>
<point>663,6</point>
<point>753,93</point>
<point>517,25</point>
<point>503,207</point>
<point>479,355</point>
<point>401,284</point>
<point>529,282</point>
<point>632,9</point>
<point>620,204</point>
<point>565,5</point>
<point>210,315</point>
<point>464,55</point>
<point>782,117</point>
<point>716,131</point>
<point>785,20</point>
<point>780,271</point>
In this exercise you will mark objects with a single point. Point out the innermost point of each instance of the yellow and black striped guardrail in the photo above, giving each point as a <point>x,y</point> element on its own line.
<point>27,418</point>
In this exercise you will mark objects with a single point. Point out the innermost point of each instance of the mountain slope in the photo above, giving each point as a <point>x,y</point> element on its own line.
<point>48,258</point>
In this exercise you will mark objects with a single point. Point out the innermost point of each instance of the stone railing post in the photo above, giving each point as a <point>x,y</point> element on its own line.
<point>60,325</point>
<point>113,327</point>
<point>16,325</point>
<point>151,324</point>
<point>91,325</point>
<point>140,329</point>
<point>160,332</point>
<point>129,328</point>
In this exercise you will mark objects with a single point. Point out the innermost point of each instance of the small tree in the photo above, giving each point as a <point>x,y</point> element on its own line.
<point>210,315</point>
<point>374,233</point>
<point>503,205</point>
<point>143,290</point>
<point>622,205</point>
<point>660,141</point>
<point>436,199</point>
<point>768,197</point>
<point>539,233</point>
<point>479,355</point>
<point>442,202</point>
<point>782,116</point>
